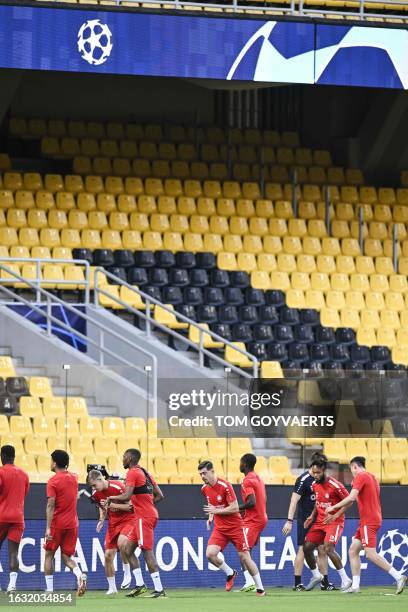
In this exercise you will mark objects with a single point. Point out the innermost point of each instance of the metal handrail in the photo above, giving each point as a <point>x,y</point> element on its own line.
<point>51,299</point>
<point>149,300</point>
<point>360,12</point>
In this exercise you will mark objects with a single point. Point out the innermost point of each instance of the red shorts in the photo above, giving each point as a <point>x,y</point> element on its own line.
<point>319,534</point>
<point>367,534</point>
<point>253,532</point>
<point>141,530</point>
<point>114,531</point>
<point>11,531</point>
<point>237,537</point>
<point>65,539</point>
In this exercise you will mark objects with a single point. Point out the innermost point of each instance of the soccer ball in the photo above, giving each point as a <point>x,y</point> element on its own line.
<point>94,42</point>
<point>393,547</point>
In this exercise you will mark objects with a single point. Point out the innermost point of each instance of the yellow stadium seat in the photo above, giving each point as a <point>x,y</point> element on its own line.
<point>53,407</point>
<point>40,387</point>
<point>167,318</point>
<point>6,199</point>
<point>44,426</point>
<point>272,245</point>
<point>394,470</point>
<point>30,406</point>
<point>111,239</point>
<point>186,206</point>
<point>400,355</point>
<point>286,263</point>
<point>105,202</point>
<point>260,280</point>
<point>86,202</point>
<point>113,427</point>
<point>335,450</point>
<point>266,262</point>
<point>35,445</point>
<point>20,426</point>
<point>292,245</point>
<point>76,407</point>
<point>279,465</point>
<point>105,446</point>
<point>27,463</point>
<point>251,244</point>
<point>12,181</point>
<point>4,425</point>
<point>81,446</point>
<point>335,300</point>
<point>208,341</point>
<point>90,426</point>
<point>320,281</point>
<point>6,367</point>
<point>239,446</point>
<point>398,448</point>
<point>126,203</point>
<point>271,369</point>
<point>236,358</point>
<point>369,319</point>
<point>349,318</point>
<point>280,280</point>
<point>295,298</point>
<point>356,447</point>
<point>67,426</point>
<point>173,448</point>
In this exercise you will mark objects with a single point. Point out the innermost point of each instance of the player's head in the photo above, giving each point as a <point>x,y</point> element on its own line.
<point>96,479</point>
<point>317,455</point>
<point>247,463</point>
<point>131,457</point>
<point>59,460</point>
<point>8,454</point>
<point>357,464</point>
<point>318,469</point>
<point>206,471</point>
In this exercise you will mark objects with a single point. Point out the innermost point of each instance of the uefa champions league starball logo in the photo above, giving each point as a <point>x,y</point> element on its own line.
<point>94,42</point>
<point>393,547</point>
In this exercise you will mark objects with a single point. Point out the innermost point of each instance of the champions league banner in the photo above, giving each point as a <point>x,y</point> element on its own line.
<point>180,552</point>
<point>117,42</point>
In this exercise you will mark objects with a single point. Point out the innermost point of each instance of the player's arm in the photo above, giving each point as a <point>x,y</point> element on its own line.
<point>310,518</point>
<point>123,497</point>
<point>102,516</point>
<point>126,507</point>
<point>330,518</point>
<point>250,502</point>
<point>294,500</point>
<point>157,493</point>
<point>49,515</point>
<point>232,508</point>
<point>345,502</point>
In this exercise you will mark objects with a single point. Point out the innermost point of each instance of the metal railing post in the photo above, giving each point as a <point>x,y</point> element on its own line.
<point>148,319</point>
<point>200,348</point>
<point>101,346</point>
<point>327,209</point>
<point>395,247</point>
<point>360,230</point>
<point>294,194</point>
<point>88,282</point>
<point>96,289</point>
<point>49,315</point>
<point>37,280</point>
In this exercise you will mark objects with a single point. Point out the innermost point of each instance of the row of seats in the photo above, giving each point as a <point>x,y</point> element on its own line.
<point>165,151</point>
<point>20,127</point>
<point>174,187</point>
<point>340,449</point>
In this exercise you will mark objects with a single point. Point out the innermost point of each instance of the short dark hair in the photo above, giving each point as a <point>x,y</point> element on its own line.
<point>134,453</point>
<point>94,475</point>
<point>319,462</point>
<point>61,458</point>
<point>205,465</point>
<point>318,455</point>
<point>361,461</point>
<point>249,459</point>
<point>8,452</point>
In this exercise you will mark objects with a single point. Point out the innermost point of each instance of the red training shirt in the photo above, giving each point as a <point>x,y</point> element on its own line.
<point>328,494</point>
<point>143,503</point>
<point>64,487</point>
<point>252,484</point>
<point>221,494</point>
<point>14,486</point>
<point>115,517</point>
<point>368,500</point>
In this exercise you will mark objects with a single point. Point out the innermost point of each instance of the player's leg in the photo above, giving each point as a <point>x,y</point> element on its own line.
<point>127,545</point>
<point>153,568</point>
<point>298,568</point>
<point>373,556</point>
<point>323,566</point>
<point>252,534</point>
<point>68,540</point>
<point>355,563</point>
<point>13,564</point>
<point>110,554</point>
<point>250,564</point>
<point>313,540</point>
<point>336,560</point>
<point>127,576</point>
<point>49,570</point>
<point>145,529</point>
<point>216,544</point>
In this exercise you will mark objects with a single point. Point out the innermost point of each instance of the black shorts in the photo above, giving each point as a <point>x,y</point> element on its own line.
<point>301,531</point>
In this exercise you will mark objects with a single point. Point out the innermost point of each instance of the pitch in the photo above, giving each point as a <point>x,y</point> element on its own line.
<point>377,599</point>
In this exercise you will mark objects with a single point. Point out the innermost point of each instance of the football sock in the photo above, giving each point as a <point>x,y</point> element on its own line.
<point>77,572</point>
<point>298,580</point>
<point>228,571</point>
<point>325,580</point>
<point>248,578</point>
<point>315,573</point>
<point>138,576</point>
<point>126,570</point>
<point>111,582</point>
<point>156,581</point>
<point>356,582</point>
<point>394,574</point>
<point>49,581</point>
<point>343,575</point>
<point>13,580</point>
<point>258,582</point>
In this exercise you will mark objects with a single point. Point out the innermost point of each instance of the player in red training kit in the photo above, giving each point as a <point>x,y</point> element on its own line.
<point>14,486</point>
<point>121,520</point>
<point>366,490</point>
<point>222,508</point>
<point>253,494</point>
<point>144,493</point>
<point>62,520</point>
<point>326,530</point>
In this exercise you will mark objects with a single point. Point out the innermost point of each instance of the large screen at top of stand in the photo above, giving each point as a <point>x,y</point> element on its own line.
<point>226,48</point>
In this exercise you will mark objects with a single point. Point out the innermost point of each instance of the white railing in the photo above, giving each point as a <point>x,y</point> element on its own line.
<point>102,289</point>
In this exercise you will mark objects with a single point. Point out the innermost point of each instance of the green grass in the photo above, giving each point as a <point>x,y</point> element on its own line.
<point>378,599</point>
